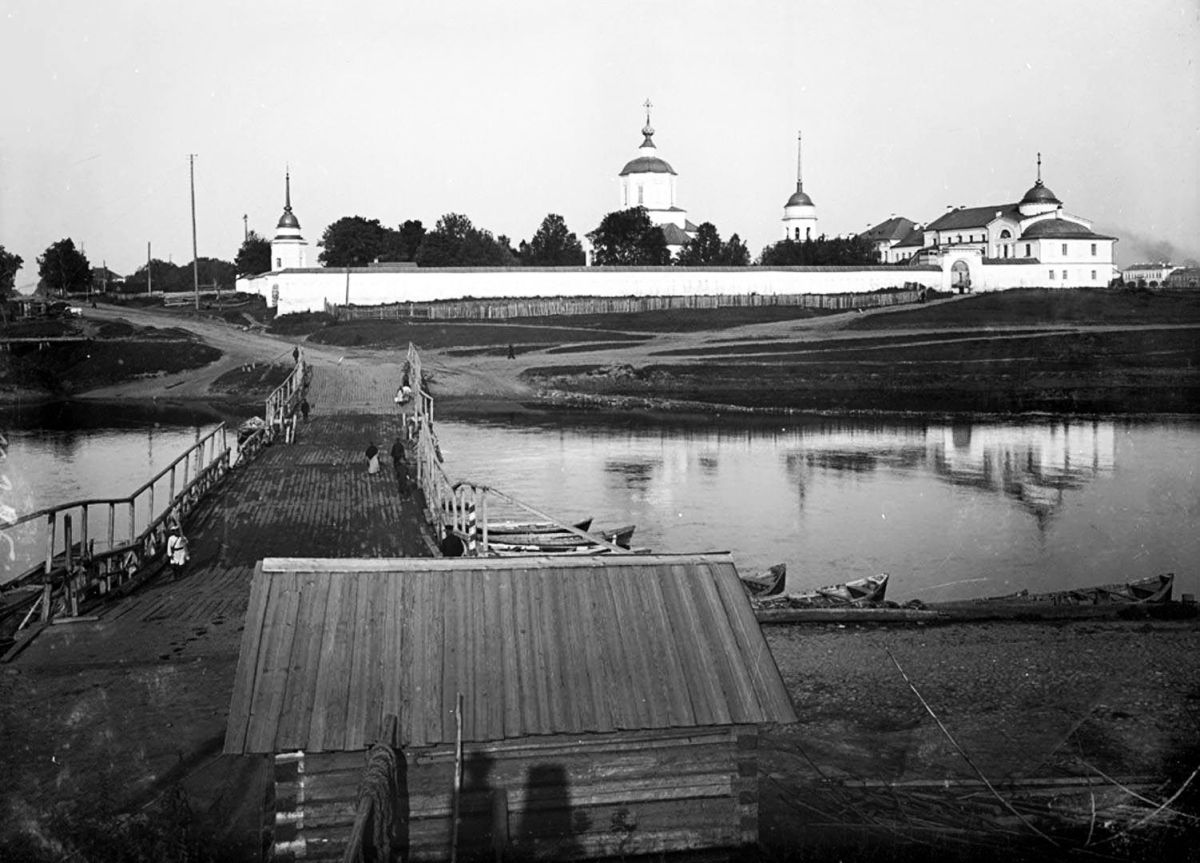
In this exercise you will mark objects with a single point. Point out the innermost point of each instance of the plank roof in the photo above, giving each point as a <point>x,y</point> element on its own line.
<point>536,645</point>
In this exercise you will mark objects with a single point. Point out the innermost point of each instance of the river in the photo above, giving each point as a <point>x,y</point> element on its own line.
<point>950,510</point>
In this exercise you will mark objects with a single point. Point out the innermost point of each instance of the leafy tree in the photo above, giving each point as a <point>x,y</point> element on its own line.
<point>735,253</point>
<point>10,262</point>
<point>455,242</point>
<point>703,250</point>
<point>353,241</point>
<point>213,271</point>
<point>628,238</point>
<point>254,256</point>
<point>64,268</point>
<point>821,252</point>
<point>552,246</point>
<point>412,232</point>
<point>164,276</point>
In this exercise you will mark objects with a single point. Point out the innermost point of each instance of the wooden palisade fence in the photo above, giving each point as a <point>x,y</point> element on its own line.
<point>542,307</point>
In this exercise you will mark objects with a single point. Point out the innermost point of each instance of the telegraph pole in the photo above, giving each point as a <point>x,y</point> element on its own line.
<point>195,260</point>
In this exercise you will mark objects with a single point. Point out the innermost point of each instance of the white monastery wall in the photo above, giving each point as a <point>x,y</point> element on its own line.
<point>310,289</point>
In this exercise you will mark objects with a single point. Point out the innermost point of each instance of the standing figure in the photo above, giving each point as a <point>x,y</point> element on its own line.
<point>398,465</point>
<point>372,457</point>
<point>177,551</point>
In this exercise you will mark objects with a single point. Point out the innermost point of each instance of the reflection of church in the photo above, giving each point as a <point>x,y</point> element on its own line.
<point>1030,243</point>
<point>1033,464</point>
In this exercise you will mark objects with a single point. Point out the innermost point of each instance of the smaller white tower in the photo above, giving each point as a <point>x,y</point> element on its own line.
<point>799,213</point>
<point>1039,199</point>
<point>288,249</point>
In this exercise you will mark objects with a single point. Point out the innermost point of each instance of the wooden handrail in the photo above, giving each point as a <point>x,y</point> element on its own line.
<point>101,501</point>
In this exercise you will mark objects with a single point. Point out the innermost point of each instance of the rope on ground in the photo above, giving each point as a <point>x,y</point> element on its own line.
<point>964,754</point>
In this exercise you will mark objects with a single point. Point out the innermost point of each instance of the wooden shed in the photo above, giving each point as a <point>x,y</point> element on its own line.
<point>606,706</point>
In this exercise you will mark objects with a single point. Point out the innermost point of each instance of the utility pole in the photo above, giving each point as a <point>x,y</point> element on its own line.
<point>195,260</point>
<point>149,269</point>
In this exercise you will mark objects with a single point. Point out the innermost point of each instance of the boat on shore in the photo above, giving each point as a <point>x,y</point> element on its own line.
<point>769,583</point>
<point>858,593</point>
<point>1153,589</point>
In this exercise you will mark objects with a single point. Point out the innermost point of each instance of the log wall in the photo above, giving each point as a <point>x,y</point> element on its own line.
<point>553,798</point>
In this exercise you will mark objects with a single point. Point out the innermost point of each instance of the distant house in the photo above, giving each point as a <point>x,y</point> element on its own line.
<point>1148,275</point>
<point>606,706</point>
<point>1183,277</point>
<point>886,235</point>
<point>104,279</point>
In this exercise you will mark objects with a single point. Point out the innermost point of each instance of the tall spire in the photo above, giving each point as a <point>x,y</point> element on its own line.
<point>799,169</point>
<point>648,130</point>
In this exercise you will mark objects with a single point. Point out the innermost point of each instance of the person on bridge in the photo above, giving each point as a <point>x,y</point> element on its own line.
<point>177,551</point>
<point>372,457</point>
<point>398,465</point>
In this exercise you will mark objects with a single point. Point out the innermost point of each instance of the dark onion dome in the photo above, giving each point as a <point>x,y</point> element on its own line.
<point>1060,229</point>
<point>646,165</point>
<point>799,198</point>
<point>1039,194</point>
<point>288,219</point>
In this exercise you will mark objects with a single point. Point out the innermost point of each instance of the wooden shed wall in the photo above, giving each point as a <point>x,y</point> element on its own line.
<point>566,797</point>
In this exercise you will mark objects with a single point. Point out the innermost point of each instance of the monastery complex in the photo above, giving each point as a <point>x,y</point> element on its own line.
<point>1033,242</point>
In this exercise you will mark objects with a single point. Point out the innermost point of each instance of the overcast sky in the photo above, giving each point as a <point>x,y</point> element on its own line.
<point>508,111</point>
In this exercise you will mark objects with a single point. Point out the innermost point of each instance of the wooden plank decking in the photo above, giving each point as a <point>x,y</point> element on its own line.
<point>125,704</point>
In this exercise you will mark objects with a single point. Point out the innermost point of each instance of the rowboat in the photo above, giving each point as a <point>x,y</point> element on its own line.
<point>767,583</point>
<point>561,543</point>
<point>534,527</point>
<point>1152,590</point>
<point>859,593</point>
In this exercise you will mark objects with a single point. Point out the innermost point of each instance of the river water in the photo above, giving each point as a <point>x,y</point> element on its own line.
<point>950,510</point>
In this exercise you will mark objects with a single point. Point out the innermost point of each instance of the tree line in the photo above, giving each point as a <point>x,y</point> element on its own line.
<point>623,238</point>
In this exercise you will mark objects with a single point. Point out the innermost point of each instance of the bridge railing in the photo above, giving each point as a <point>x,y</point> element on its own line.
<point>88,547</point>
<point>468,509</point>
<point>281,405</point>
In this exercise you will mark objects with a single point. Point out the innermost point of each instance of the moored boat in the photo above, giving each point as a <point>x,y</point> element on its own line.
<point>504,528</point>
<point>1154,589</point>
<point>769,583</point>
<point>561,543</point>
<point>858,593</point>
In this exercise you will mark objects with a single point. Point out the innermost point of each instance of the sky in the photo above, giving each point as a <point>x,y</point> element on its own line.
<point>508,111</point>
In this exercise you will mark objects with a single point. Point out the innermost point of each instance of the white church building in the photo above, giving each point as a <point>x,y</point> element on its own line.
<point>648,181</point>
<point>1033,242</point>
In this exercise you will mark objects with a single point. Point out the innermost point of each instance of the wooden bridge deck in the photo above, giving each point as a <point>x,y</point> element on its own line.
<point>118,707</point>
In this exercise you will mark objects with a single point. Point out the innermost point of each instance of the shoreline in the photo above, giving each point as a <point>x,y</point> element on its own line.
<point>237,408</point>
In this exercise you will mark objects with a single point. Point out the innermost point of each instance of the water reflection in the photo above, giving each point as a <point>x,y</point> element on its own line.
<point>950,509</point>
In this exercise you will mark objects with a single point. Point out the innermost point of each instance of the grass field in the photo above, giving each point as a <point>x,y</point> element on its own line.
<point>1042,306</point>
<point>1101,351</point>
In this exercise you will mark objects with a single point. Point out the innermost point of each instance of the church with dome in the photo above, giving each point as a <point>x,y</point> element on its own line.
<point>799,213</point>
<point>1033,242</point>
<point>648,181</point>
<point>289,251</point>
